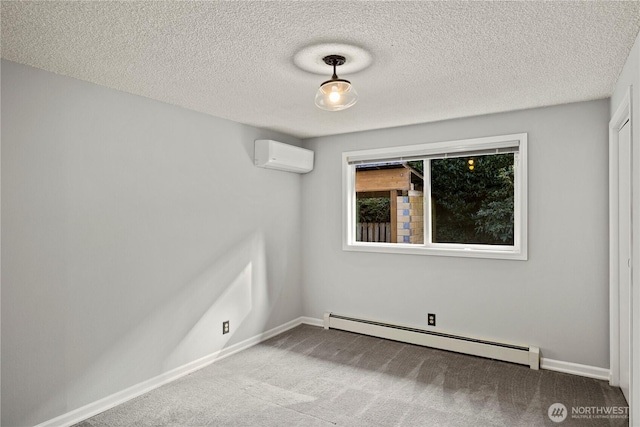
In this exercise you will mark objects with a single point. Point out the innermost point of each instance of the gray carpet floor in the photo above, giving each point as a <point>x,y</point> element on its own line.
<point>309,377</point>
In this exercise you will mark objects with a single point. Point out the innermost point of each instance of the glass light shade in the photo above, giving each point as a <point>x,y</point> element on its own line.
<point>336,95</point>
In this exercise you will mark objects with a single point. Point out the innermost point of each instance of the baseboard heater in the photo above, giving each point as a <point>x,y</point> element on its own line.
<point>524,355</point>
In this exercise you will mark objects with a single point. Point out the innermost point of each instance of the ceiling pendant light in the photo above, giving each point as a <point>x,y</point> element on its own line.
<point>335,94</point>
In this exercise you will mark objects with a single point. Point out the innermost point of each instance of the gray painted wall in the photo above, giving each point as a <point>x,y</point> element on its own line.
<point>130,230</point>
<point>557,300</point>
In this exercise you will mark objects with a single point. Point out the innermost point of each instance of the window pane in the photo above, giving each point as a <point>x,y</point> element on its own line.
<point>390,202</point>
<point>472,200</point>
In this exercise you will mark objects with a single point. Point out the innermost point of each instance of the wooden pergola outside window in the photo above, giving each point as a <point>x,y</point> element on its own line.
<point>387,180</point>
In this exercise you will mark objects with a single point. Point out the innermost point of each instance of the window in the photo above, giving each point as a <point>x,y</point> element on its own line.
<point>457,198</point>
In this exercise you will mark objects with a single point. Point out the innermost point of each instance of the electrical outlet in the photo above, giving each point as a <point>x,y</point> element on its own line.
<point>225,327</point>
<point>431,319</point>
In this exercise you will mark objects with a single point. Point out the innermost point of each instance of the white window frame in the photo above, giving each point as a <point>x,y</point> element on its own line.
<point>516,252</point>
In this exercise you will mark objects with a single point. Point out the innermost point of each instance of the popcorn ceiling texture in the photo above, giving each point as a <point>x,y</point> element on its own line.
<point>431,60</point>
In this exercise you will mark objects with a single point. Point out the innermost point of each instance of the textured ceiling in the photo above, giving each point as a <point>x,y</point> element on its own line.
<point>431,60</point>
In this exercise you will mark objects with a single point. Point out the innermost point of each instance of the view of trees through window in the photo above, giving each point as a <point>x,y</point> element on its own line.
<point>373,209</point>
<point>465,198</point>
<point>473,200</point>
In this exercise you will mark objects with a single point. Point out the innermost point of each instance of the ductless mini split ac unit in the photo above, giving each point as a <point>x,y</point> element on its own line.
<point>277,155</point>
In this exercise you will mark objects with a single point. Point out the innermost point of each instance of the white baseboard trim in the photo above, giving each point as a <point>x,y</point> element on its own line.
<point>575,369</point>
<point>548,364</point>
<point>312,321</point>
<point>94,408</point>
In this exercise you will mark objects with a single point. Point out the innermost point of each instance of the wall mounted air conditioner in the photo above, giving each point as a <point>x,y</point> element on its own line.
<point>277,155</point>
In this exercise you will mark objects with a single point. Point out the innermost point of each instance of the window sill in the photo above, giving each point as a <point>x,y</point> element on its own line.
<point>467,252</point>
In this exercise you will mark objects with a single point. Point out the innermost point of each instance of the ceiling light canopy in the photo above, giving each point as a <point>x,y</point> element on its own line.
<point>335,94</point>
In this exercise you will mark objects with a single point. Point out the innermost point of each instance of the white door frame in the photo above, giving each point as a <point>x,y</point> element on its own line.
<point>621,116</point>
